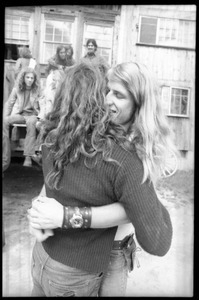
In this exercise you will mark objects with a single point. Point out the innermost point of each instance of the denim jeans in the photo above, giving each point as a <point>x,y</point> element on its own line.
<point>6,157</point>
<point>114,281</point>
<point>53,279</point>
<point>30,139</point>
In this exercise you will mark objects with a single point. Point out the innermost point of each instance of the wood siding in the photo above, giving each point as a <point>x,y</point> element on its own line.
<point>172,66</point>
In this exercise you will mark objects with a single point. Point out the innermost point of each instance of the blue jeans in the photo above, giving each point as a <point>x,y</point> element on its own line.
<point>30,139</point>
<point>114,281</point>
<point>53,279</point>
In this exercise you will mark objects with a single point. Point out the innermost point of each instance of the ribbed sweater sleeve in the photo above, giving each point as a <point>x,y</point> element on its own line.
<point>149,217</point>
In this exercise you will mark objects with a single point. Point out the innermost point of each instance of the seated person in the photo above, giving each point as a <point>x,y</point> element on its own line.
<point>22,108</point>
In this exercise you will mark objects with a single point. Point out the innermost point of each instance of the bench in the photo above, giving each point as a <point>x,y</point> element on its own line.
<point>18,125</point>
<point>18,145</point>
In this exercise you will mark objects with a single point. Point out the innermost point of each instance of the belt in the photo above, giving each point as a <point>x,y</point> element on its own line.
<point>129,248</point>
<point>125,243</point>
<point>118,245</point>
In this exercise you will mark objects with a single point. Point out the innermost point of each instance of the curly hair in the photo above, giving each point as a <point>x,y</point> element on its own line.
<point>20,81</point>
<point>149,130</point>
<point>79,123</point>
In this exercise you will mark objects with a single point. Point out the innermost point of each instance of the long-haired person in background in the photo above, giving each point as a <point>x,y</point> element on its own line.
<point>22,107</point>
<point>94,156</point>
<point>25,60</point>
<point>69,56</point>
<point>61,60</point>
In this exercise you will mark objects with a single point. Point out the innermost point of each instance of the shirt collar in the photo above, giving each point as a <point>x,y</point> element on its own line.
<point>90,56</point>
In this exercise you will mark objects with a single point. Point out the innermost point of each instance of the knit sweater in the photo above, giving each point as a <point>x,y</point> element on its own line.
<point>106,183</point>
<point>96,60</point>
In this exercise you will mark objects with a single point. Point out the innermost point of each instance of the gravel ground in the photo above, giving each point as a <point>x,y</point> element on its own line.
<point>168,276</point>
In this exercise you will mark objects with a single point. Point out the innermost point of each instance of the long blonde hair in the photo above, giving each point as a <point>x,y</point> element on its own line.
<point>149,131</point>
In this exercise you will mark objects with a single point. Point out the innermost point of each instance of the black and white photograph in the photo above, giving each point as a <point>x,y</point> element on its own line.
<point>98,150</point>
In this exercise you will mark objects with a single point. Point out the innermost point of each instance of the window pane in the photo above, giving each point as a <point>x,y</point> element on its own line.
<point>173,32</point>
<point>148,30</point>
<point>67,32</point>
<point>184,106</point>
<point>58,31</point>
<point>58,35</point>
<point>49,32</point>
<point>179,101</point>
<point>175,106</point>
<point>105,53</point>
<point>184,92</point>
<point>172,110</point>
<point>167,32</point>
<point>176,92</point>
<point>17,28</point>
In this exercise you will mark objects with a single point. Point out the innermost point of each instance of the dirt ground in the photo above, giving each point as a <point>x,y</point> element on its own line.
<point>168,276</point>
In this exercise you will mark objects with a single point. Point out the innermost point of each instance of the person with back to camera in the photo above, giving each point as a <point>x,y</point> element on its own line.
<point>22,107</point>
<point>46,102</point>
<point>126,176</point>
<point>61,60</point>
<point>25,60</point>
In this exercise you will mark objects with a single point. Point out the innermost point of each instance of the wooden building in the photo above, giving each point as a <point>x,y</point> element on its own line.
<point>161,36</point>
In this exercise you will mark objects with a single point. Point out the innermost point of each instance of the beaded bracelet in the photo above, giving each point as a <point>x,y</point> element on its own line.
<point>76,217</point>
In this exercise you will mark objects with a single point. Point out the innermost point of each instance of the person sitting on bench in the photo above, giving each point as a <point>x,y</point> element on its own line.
<point>22,107</point>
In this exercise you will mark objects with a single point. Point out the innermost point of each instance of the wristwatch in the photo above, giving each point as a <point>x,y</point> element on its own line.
<point>77,219</point>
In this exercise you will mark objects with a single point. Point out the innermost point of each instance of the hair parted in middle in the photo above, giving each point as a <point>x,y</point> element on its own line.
<point>93,41</point>
<point>149,130</point>
<point>20,81</point>
<point>79,123</point>
<point>59,48</point>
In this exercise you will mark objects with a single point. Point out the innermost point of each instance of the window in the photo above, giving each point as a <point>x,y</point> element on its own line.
<point>175,101</point>
<point>103,36</point>
<point>167,32</point>
<point>16,34</point>
<point>56,32</point>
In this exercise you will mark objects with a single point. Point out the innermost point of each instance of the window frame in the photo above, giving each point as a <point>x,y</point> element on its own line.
<point>157,43</point>
<point>20,40</point>
<point>12,45</point>
<point>168,110</point>
<point>54,18</point>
